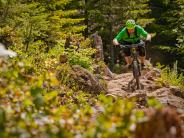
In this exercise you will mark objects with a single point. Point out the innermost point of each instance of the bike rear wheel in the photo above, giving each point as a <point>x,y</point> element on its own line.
<point>136,73</point>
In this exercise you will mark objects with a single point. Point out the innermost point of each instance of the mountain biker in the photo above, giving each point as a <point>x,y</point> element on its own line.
<point>132,34</point>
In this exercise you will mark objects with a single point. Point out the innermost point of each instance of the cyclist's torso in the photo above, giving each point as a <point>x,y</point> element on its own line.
<point>133,38</point>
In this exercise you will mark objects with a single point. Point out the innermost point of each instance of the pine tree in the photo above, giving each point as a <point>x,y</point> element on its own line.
<point>62,21</point>
<point>179,29</point>
<point>38,23</point>
<point>140,11</point>
<point>169,27</point>
<point>34,23</point>
<point>166,14</point>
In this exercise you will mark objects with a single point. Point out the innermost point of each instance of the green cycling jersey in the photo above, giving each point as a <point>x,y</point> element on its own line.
<point>133,38</point>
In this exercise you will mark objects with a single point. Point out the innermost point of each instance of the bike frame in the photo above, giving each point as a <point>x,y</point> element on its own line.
<point>135,62</point>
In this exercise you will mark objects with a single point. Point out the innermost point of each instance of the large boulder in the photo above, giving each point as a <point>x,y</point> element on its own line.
<point>80,78</point>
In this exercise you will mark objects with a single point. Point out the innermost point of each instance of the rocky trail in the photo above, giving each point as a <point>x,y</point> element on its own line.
<point>167,95</point>
<point>160,123</point>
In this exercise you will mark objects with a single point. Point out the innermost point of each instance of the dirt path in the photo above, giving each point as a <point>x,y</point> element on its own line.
<point>168,95</point>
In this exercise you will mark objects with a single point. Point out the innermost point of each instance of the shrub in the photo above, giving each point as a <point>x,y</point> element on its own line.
<point>171,76</point>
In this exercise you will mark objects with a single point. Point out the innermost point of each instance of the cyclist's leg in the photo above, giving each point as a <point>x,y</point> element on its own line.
<point>142,55</point>
<point>127,54</point>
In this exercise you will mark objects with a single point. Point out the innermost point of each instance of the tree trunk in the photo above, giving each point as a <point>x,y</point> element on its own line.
<point>111,37</point>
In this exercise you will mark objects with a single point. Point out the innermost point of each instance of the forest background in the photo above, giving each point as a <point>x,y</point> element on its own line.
<point>44,24</point>
<point>43,90</point>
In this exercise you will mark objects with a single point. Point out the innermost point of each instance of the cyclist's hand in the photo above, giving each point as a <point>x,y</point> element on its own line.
<point>148,38</point>
<point>115,42</point>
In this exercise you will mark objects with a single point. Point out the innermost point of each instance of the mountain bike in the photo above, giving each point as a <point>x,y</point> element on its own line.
<point>135,65</point>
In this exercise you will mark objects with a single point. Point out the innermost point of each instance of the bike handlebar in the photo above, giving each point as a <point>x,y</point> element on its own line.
<point>133,45</point>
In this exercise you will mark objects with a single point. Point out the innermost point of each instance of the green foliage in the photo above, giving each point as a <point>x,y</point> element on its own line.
<point>114,122</point>
<point>35,103</point>
<point>36,99</point>
<point>140,11</point>
<point>180,27</point>
<point>171,76</point>
<point>82,58</point>
<point>154,103</point>
<point>37,24</point>
<point>166,14</point>
<point>168,26</point>
<point>64,75</point>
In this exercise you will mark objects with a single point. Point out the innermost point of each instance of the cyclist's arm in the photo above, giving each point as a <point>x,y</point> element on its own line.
<point>145,34</point>
<point>119,37</point>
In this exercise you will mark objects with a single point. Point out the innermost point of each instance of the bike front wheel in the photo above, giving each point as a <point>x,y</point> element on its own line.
<point>136,73</point>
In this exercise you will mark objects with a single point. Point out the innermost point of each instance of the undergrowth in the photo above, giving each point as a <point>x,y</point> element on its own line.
<point>171,76</point>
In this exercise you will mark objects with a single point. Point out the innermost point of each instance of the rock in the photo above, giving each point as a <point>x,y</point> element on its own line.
<point>160,123</point>
<point>97,69</point>
<point>81,79</point>
<point>87,80</point>
<point>157,72</point>
<point>151,75</point>
<point>103,70</point>
<point>107,78</point>
<point>107,72</point>
<point>153,87</point>
<point>141,98</point>
<point>176,91</point>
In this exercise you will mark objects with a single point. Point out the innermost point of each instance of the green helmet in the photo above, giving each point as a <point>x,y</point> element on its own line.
<point>130,24</point>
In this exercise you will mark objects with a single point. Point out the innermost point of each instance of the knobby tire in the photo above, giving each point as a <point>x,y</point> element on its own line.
<point>136,73</point>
